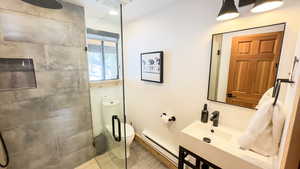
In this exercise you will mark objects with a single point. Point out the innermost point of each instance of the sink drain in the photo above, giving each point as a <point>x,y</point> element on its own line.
<point>206,139</point>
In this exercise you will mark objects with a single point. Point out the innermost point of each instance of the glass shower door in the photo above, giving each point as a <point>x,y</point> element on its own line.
<point>104,52</point>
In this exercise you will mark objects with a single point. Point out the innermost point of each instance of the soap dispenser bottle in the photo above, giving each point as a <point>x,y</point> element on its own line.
<point>204,114</point>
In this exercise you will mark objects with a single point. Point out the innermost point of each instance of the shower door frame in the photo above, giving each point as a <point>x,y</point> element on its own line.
<point>123,83</point>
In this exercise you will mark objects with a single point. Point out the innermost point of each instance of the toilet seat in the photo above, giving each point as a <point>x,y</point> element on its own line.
<point>128,138</point>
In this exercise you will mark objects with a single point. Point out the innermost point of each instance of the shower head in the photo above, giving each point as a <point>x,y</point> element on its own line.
<point>50,4</point>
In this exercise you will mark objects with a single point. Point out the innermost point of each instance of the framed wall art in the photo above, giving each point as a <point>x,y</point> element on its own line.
<point>152,66</point>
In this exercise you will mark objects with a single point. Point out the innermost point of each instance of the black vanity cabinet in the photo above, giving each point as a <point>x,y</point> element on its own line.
<point>200,162</point>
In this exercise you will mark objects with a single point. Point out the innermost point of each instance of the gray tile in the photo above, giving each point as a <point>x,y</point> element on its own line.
<point>42,155</point>
<point>57,79</point>
<point>36,30</point>
<point>46,153</point>
<point>29,94</point>
<point>64,127</point>
<point>25,50</point>
<point>140,158</point>
<point>84,60</point>
<point>50,126</point>
<point>19,6</point>
<point>1,37</point>
<point>84,81</point>
<point>75,159</point>
<point>17,114</point>
<point>40,92</point>
<point>67,100</point>
<point>74,112</point>
<point>18,161</point>
<point>17,80</point>
<point>74,133</point>
<point>76,142</point>
<point>21,138</point>
<point>63,58</point>
<point>70,13</point>
<point>10,97</point>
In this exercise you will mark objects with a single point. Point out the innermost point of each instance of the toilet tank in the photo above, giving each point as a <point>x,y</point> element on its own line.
<point>110,107</point>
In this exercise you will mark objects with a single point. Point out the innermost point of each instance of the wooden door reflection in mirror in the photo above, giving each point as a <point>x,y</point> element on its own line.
<point>244,64</point>
<point>252,69</point>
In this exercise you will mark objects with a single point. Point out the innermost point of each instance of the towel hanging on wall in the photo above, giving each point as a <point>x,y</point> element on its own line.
<point>264,132</point>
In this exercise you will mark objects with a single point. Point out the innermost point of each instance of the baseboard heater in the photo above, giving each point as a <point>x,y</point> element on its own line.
<point>173,157</point>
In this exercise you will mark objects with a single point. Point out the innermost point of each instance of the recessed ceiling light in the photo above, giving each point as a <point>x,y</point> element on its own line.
<point>266,5</point>
<point>113,12</point>
<point>228,11</point>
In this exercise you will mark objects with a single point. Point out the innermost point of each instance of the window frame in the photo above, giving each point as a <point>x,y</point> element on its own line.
<point>115,41</point>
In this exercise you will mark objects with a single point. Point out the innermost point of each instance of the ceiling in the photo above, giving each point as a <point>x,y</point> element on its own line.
<point>139,8</point>
<point>99,9</point>
<point>133,9</point>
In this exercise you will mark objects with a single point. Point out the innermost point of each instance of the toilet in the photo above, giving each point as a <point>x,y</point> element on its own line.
<point>110,107</point>
<point>128,137</point>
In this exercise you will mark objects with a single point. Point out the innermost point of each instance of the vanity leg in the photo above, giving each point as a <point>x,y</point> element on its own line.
<point>198,163</point>
<point>205,166</point>
<point>181,158</point>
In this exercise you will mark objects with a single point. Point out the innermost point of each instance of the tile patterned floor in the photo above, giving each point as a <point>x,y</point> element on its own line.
<point>92,164</point>
<point>139,159</point>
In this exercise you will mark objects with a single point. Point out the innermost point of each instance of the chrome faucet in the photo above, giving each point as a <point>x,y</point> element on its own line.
<point>215,118</point>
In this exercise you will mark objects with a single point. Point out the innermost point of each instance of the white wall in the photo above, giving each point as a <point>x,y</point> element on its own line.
<point>226,54</point>
<point>183,30</point>
<point>215,66</point>
<point>293,93</point>
<point>103,25</point>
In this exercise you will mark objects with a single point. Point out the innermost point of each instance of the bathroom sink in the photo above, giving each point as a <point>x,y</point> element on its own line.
<point>215,134</point>
<point>222,145</point>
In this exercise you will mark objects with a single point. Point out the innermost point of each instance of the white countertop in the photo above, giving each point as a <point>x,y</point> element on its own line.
<point>223,150</point>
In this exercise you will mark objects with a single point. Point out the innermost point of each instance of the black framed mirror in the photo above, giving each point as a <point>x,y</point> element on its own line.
<point>244,64</point>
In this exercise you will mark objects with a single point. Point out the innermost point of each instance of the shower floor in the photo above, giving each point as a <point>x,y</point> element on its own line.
<point>139,158</point>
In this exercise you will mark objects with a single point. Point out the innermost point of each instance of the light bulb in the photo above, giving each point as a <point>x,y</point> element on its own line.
<point>227,16</point>
<point>267,6</point>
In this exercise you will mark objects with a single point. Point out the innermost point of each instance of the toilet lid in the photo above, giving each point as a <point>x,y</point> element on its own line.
<point>129,129</point>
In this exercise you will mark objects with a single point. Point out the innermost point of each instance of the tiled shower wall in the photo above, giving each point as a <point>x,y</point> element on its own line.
<point>48,127</point>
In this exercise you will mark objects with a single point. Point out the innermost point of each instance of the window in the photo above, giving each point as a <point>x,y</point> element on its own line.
<point>102,55</point>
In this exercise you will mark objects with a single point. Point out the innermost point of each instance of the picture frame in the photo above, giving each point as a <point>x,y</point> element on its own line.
<point>152,66</point>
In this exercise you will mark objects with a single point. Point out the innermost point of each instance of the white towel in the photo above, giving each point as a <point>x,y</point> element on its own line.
<point>266,97</point>
<point>264,132</point>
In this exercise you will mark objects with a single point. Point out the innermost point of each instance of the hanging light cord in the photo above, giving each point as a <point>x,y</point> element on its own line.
<point>5,151</point>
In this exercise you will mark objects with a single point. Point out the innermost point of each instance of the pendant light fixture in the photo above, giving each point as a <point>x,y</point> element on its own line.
<point>228,11</point>
<point>266,5</point>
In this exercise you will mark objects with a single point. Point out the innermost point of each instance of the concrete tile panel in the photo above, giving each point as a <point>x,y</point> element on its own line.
<point>27,28</point>
<point>76,142</point>
<point>69,13</point>
<point>63,58</point>
<point>25,50</point>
